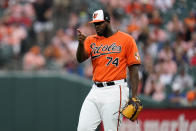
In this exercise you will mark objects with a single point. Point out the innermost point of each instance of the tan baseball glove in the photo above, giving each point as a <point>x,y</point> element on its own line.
<point>132,109</point>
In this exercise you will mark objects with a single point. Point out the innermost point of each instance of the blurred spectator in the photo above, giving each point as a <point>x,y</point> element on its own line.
<point>154,88</point>
<point>147,71</point>
<point>148,7</point>
<point>21,14</point>
<point>43,24</point>
<point>138,20</point>
<point>166,53</point>
<point>175,25</point>
<point>180,48</point>
<point>156,18</point>
<point>192,49</point>
<point>165,74</point>
<point>151,48</point>
<point>193,59</point>
<point>12,35</point>
<point>33,60</point>
<point>165,60</point>
<point>61,41</point>
<point>133,7</point>
<point>191,97</point>
<point>164,5</point>
<point>184,79</point>
<point>4,3</point>
<point>177,97</point>
<point>17,20</point>
<point>190,21</point>
<point>66,46</point>
<point>158,35</point>
<point>61,4</point>
<point>54,57</point>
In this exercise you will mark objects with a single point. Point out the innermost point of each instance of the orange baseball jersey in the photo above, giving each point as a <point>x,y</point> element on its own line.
<point>110,56</point>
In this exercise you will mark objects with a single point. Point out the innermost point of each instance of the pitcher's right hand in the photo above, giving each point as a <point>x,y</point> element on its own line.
<point>81,37</point>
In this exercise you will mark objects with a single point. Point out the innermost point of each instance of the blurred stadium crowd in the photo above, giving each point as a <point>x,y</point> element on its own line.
<point>41,35</point>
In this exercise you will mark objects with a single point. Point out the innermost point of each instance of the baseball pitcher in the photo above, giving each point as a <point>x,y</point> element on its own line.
<point>111,53</point>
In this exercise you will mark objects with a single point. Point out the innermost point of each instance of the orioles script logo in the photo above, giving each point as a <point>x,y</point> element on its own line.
<point>104,49</point>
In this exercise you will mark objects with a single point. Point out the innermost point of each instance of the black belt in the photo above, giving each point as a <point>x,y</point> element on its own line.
<point>110,83</point>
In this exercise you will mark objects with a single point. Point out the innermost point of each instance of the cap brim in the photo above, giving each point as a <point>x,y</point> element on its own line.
<point>94,21</point>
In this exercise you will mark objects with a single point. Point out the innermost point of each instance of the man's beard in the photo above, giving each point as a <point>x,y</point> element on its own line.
<point>103,32</point>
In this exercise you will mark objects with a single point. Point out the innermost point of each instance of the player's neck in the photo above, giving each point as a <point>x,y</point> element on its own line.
<point>108,33</point>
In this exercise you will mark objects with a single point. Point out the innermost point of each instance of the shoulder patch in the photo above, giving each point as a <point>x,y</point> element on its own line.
<point>137,56</point>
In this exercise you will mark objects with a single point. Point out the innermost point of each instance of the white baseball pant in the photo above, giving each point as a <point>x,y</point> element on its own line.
<point>103,104</point>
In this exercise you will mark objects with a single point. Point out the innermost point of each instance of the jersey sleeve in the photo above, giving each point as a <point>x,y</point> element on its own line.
<point>87,46</point>
<point>132,53</point>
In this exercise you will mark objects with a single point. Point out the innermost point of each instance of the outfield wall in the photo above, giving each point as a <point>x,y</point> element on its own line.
<point>41,101</point>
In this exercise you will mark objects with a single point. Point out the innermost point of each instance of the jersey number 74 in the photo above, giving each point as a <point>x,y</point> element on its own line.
<point>113,61</point>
